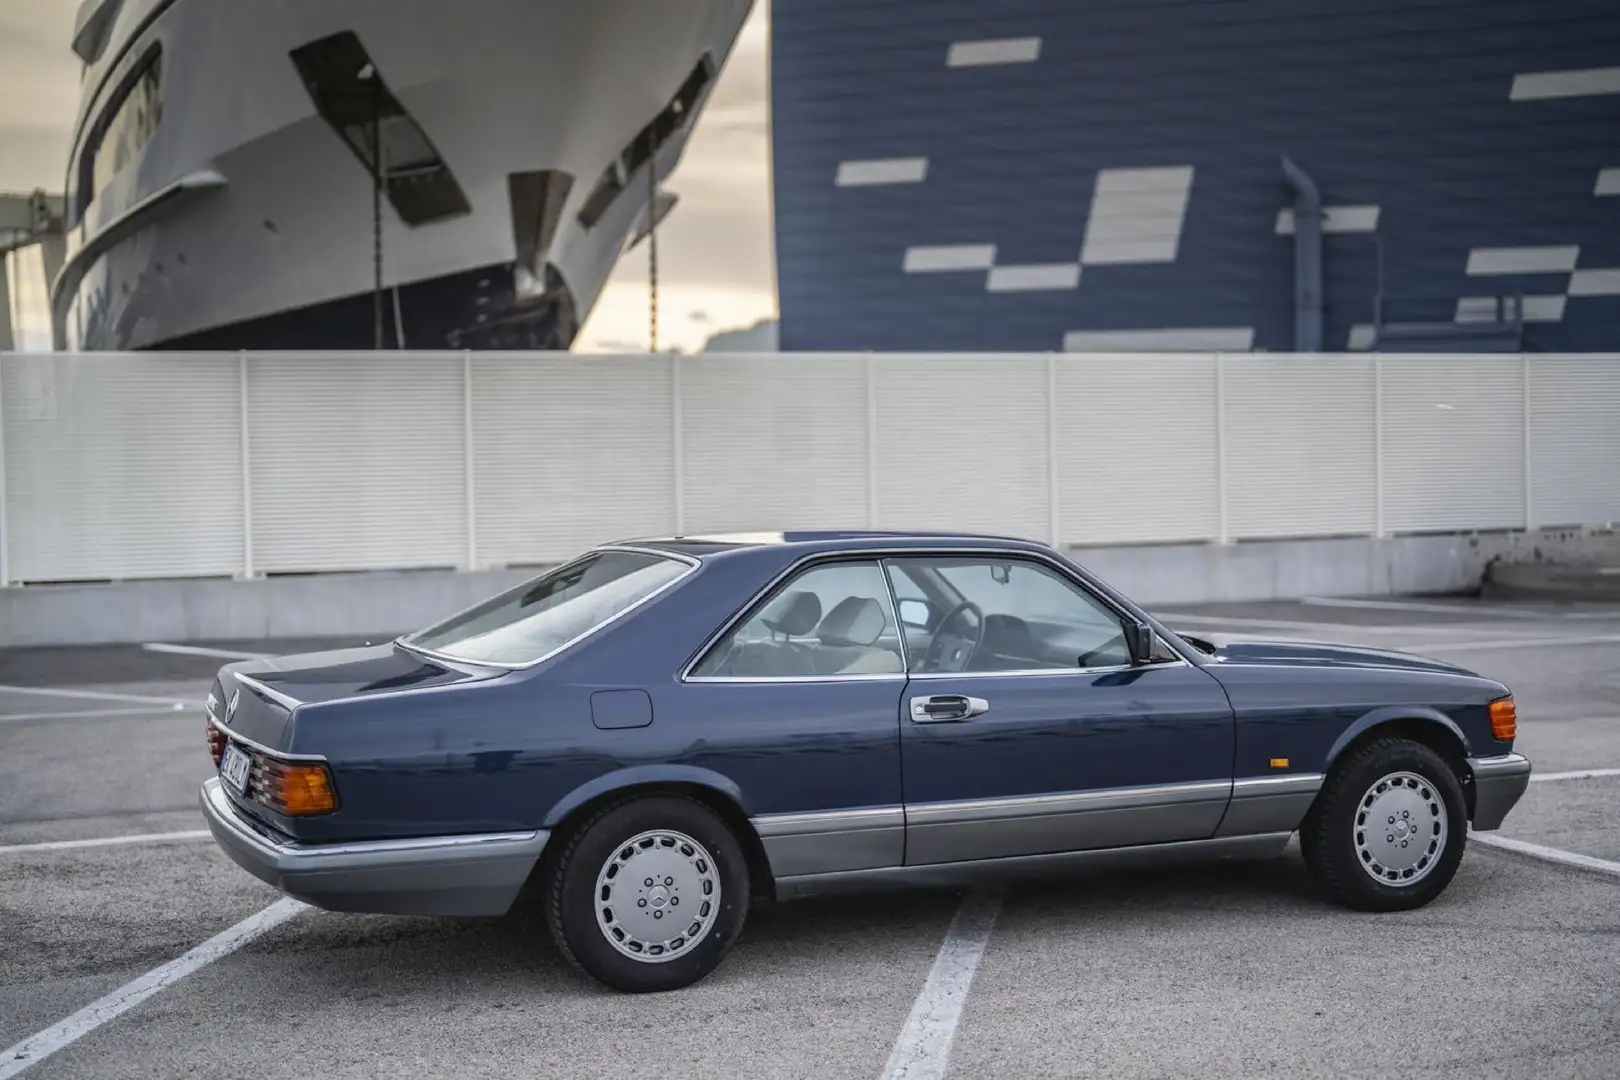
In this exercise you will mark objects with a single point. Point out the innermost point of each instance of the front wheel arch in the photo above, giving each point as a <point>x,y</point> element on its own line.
<point>1433,729</point>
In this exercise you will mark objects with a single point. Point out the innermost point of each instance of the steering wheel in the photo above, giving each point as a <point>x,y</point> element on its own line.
<point>951,651</point>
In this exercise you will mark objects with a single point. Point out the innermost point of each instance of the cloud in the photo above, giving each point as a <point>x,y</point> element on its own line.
<point>39,92</point>
<point>718,241</point>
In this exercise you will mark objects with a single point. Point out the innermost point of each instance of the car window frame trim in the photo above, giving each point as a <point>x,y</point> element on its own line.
<point>883,555</point>
<point>757,601</point>
<point>693,565</point>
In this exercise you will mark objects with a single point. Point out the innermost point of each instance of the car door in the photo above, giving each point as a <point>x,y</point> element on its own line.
<point>1027,730</point>
<point>802,697</point>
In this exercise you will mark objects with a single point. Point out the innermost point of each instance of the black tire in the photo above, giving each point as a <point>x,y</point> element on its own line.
<point>1338,845</point>
<point>572,899</point>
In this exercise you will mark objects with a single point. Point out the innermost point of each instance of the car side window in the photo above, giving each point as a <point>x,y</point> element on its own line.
<point>989,613</point>
<point>827,621</point>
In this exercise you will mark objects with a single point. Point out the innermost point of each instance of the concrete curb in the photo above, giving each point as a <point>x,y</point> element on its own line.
<point>1568,582</point>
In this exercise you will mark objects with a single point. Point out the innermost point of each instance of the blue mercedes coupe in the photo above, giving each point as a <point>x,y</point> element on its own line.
<point>646,740</point>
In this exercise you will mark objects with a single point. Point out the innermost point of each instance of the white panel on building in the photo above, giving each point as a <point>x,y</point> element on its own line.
<point>1523,260</point>
<point>1335,219</point>
<point>1042,277</point>
<point>1168,339</point>
<point>1608,182</point>
<point>1595,283</point>
<point>912,170</point>
<point>943,258</point>
<point>1136,215</point>
<point>1586,82</point>
<point>1024,50</point>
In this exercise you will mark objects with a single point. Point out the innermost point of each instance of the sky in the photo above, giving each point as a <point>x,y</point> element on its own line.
<point>715,269</point>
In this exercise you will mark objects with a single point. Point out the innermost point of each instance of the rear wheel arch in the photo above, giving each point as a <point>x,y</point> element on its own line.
<point>572,813</point>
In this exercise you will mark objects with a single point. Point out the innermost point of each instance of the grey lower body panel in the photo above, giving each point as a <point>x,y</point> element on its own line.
<point>453,875</point>
<point>833,841</point>
<point>1267,804</point>
<point>1499,783</point>
<point>959,873</point>
<point>1077,821</point>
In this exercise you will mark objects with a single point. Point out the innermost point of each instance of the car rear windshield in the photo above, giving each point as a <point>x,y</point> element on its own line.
<point>541,616</point>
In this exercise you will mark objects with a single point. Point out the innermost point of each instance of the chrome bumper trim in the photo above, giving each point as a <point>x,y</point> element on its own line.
<point>1499,783</point>
<point>477,874</point>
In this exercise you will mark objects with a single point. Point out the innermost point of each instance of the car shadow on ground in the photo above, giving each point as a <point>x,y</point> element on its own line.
<point>371,958</point>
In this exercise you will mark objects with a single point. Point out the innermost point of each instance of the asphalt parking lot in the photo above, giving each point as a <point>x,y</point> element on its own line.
<point>1235,970</point>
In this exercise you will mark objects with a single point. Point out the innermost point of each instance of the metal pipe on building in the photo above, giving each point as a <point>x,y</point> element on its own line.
<point>1307,259</point>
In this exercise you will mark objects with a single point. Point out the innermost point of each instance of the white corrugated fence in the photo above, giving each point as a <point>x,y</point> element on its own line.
<point>199,465</point>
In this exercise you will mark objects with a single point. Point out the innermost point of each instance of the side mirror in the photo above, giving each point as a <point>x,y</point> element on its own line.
<point>1140,639</point>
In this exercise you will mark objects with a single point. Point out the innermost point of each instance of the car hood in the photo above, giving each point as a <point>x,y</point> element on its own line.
<point>1325,654</point>
<point>256,698</point>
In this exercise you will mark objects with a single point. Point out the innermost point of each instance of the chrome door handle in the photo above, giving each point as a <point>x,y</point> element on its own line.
<point>946,708</point>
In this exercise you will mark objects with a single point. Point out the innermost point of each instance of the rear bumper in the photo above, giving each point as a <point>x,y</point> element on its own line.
<point>480,874</point>
<point>1498,784</point>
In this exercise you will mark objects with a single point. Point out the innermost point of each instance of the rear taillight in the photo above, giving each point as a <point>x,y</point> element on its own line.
<point>296,789</point>
<point>216,742</point>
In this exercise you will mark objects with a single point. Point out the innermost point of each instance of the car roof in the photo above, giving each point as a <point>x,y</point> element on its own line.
<point>810,542</point>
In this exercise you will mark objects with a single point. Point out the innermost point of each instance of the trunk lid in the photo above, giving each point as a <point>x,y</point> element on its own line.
<point>256,699</point>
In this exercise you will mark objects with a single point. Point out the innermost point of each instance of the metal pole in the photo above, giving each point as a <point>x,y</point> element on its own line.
<point>652,241</point>
<point>376,210</point>
<point>5,516</point>
<point>1224,525</point>
<point>244,414</point>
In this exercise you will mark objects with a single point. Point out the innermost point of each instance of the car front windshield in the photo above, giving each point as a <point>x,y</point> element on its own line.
<point>539,617</point>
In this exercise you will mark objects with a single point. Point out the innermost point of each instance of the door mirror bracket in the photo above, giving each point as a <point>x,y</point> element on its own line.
<point>1140,640</point>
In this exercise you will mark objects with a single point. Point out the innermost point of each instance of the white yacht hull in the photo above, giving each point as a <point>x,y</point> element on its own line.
<point>246,221</point>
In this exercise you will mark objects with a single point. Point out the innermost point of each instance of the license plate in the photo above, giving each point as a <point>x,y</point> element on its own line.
<point>234,767</point>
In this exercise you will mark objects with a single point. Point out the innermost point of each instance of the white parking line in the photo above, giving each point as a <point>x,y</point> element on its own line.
<point>36,1048</point>
<point>1578,774</point>
<point>96,714</point>
<point>923,1050</point>
<point>1549,854</point>
<point>1466,608</point>
<point>1520,643</point>
<point>106,841</point>
<point>91,695</point>
<point>1415,605</point>
<point>1171,618</point>
<point>200,650</point>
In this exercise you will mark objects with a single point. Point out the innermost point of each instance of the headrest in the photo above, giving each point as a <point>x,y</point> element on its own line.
<point>794,614</point>
<point>855,620</point>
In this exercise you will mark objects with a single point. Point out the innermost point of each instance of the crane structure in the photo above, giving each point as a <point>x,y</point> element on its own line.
<point>26,220</point>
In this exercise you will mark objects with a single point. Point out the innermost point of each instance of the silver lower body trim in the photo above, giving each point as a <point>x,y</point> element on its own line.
<point>1265,804</point>
<point>833,841</point>
<point>1072,821</point>
<point>957,873</point>
<point>1499,783</point>
<point>479,874</point>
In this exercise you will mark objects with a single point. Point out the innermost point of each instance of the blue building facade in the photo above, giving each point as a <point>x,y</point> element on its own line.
<point>1041,175</point>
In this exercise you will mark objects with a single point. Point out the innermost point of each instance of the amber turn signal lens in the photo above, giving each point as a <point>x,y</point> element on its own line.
<point>297,790</point>
<point>1504,720</point>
